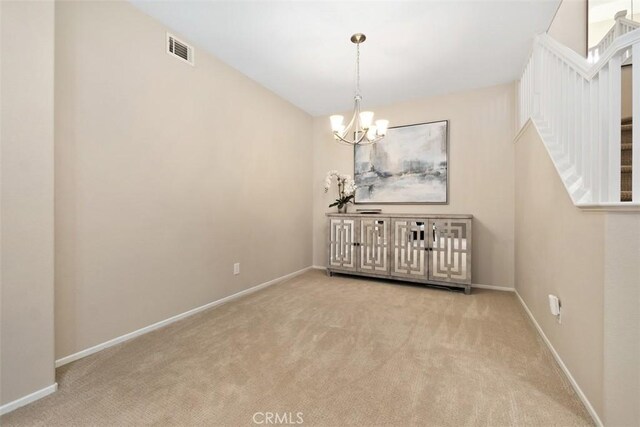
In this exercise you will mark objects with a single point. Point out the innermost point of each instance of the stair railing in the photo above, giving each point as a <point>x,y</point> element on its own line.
<point>621,26</point>
<point>576,107</point>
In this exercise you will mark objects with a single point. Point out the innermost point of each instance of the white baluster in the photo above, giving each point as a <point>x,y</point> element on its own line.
<point>564,83</point>
<point>558,113</point>
<point>578,123</point>
<point>570,122</point>
<point>540,82</point>
<point>603,134</point>
<point>521,101</point>
<point>556,105</point>
<point>595,138</point>
<point>535,82</point>
<point>526,93</point>
<point>613,140</point>
<point>635,132</point>
<point>529,90</point>
<point>547,80</point>
<point>586,134</point>
<point>546,92</point>
<point>525,99</point>
<point>519,106</point>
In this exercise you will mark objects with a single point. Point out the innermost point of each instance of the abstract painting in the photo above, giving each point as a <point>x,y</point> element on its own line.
<point>409,165</point>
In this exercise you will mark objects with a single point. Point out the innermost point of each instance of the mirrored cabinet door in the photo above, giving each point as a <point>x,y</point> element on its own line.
<point>374,245</point>
<point>342,247</point>
<point>450,253</point>
<point>408,248</point>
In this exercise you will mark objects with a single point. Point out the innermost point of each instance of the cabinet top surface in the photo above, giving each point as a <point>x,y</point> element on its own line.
<point>399,215</point>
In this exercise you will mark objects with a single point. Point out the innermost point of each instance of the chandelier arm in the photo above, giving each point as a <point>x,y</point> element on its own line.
<point>340,138</point>
<point>367,142</point>
<point>355,120</point>
<point>356,113</point>
<point>350,144</point>
<point>364,134</point>
<point>351,122</point>
<point>354,142</point>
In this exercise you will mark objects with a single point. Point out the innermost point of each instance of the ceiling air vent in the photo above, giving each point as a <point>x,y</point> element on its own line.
<point>179,49</point>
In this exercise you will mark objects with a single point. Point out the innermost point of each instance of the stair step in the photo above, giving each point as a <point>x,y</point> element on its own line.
<point>626,181</point>
<point>626,155</point>
<point>566,171</point>
<point>626,160</point>
<point>571,180</point>
<point>579,194</point>
<point>555,148</point>
<point>576,188</point>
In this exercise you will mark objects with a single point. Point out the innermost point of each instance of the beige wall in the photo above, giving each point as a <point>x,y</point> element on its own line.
<point>26,153</point>
<point>166,175</point>
<point>480,177</point>
<point>569,26</point>
<point>560,250</point>
<point>622,320</point>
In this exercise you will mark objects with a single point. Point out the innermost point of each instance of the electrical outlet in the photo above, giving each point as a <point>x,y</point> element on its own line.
<point>555,307</point>
<point>236,268</point>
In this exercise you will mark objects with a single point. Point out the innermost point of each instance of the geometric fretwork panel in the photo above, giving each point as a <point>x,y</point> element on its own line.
<point>450,250</point>
<point>374,245</point>
<point>408,248</point>
<point>342,251</point>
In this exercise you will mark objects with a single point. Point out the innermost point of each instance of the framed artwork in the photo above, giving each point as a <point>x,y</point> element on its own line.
<point>410,165</point>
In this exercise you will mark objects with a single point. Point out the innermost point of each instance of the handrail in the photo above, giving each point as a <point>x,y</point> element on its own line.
<point>576,106</point>
<point>621,26</point>
<point>587,69</point>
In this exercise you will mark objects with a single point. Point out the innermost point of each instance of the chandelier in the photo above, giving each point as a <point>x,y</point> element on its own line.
<point>361,124</point>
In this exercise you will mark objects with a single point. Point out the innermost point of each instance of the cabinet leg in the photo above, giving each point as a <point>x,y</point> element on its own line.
<point>467,290</point>
<point>329,273</point>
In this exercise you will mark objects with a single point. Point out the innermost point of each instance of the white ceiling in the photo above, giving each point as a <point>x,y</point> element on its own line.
<point>301,50</point>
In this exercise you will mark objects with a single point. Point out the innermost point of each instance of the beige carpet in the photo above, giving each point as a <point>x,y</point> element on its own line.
<point>342,351</point>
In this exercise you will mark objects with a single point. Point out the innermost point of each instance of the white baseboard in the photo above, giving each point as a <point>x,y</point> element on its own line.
<point>8,407</point>
<point>493,288</point>
<point>564,368</point>
<point>319,267</point>
<point>86,352</point>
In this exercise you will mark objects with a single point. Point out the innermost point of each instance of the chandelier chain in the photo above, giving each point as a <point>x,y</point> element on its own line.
<point>357,69</point>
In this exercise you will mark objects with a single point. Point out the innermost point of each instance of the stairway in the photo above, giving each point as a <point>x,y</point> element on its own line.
<point>577,109</point>
<point>625,171</point>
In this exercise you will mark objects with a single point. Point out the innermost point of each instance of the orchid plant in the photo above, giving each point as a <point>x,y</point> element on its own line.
<point>346,189</point>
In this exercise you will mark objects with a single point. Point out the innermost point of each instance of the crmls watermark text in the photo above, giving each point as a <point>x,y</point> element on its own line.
<point>278,418</point>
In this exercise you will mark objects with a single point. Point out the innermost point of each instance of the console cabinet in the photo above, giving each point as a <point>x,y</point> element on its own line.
<point>433,249</point>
